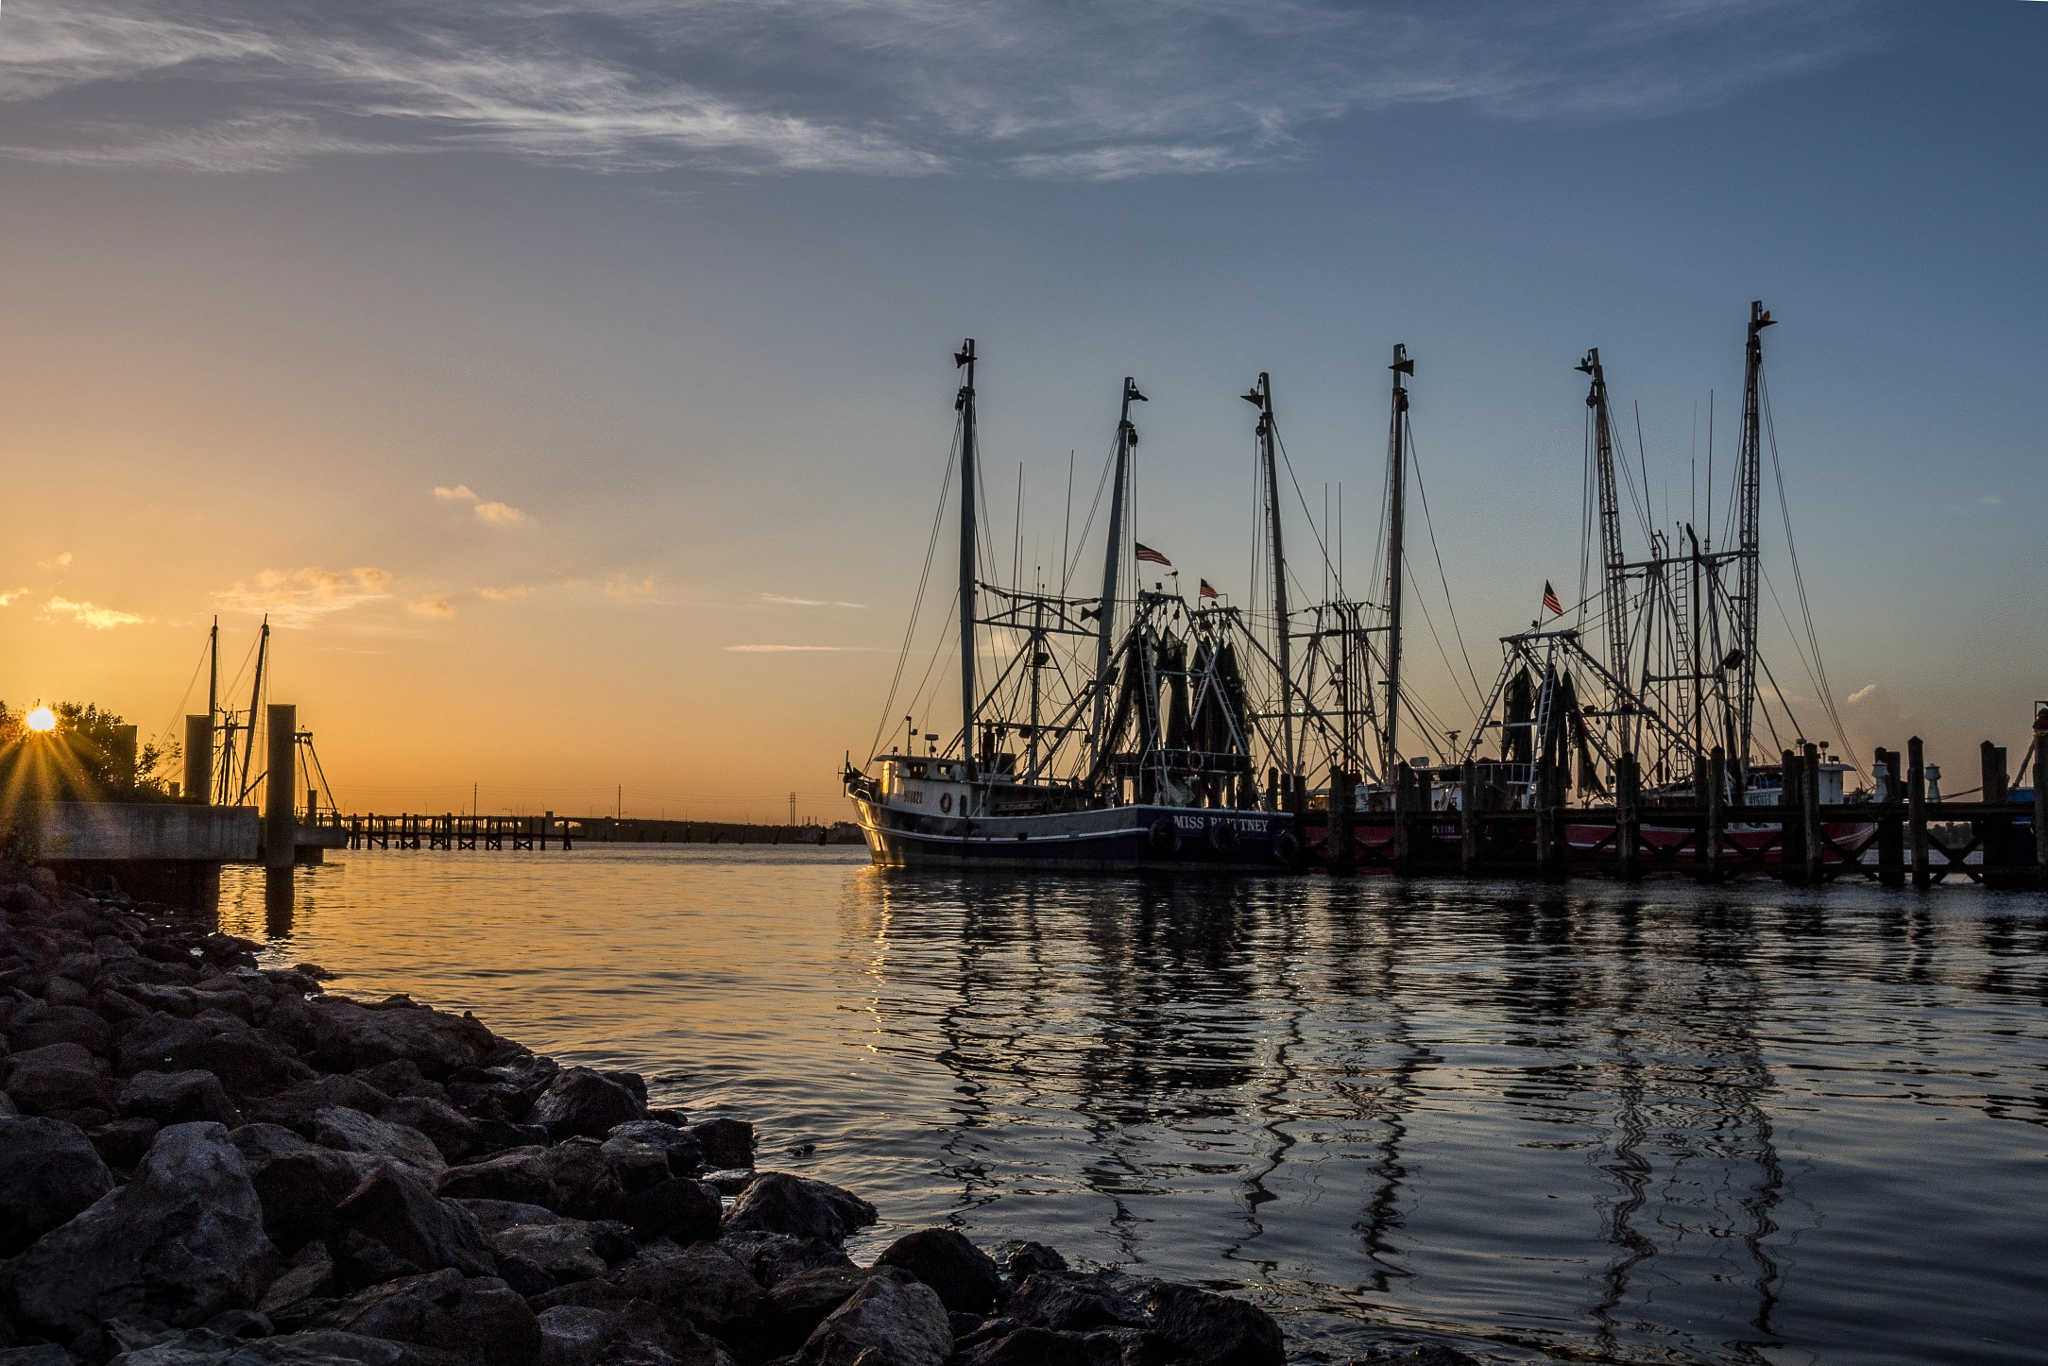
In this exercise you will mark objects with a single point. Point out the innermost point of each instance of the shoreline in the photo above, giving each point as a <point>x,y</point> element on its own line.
<point>207,1161</point>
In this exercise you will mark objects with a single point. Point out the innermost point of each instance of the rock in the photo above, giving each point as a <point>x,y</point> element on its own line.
<point>684,1210</point>
<point>298,1183</point>
<point>964,1276</point>
<point>1128,1347</point>
<point>526,1276</point>
<point>703,1284</point>
<point>451,1131</point>
<point>582,1102</point>
<point>892,1320</point>
<point>122,1142</point>
<point>574,1336</point>
<point>489,1100</point>
<point>563,1248</point>
<point>1028,1347</point>
<point>581,1181</point>
<point>295,1106</point>
<point>203,1347</point>
<point>176,1098</point>
<point>248,1063</point>
<point>1413,1354</point>
<point>638,1334</point>
<point>352,1131</point>
<point>729,1181</point>
<point>44,1354</point>
<point>346,1036</point>
<point>49,1172</point>
<point>1215,1330</point>
<point>496,1135</point>
<point>62,1024</point>
<point>494,1215</point>
<point>518,1175</point>
<point>308,1275</point>
<point>1072,1303</point>
<point>1023,1260</point>
<point>799,1207</point>
<point>401,1212</point>
<point>725,1142</point>
<point>181,1242</point>
<point>189,1001</point>
<point>639,1164</point>
<point>461,1321</point>
<point>799,1304</point>
<point>685,1155</point>
<point>773,1258</point>
<point>60,1081</point>
<point>393,1077</point>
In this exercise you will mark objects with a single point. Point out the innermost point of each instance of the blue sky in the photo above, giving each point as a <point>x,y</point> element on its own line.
<point>678,283</point>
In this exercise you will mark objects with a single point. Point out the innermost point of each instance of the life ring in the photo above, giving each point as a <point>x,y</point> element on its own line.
<point>1195,760</point>
<point>1223,837</point>
<point>1286,848</point>
<point>946,802</point>
<point>1165,836</point>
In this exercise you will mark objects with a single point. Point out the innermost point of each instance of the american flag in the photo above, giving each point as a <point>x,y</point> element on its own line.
<point>1147,553</point>
<point>1207,591</point>
<point>1550,602</point>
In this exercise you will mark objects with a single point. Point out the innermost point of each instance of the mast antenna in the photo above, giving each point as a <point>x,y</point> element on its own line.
<point>964,359</point>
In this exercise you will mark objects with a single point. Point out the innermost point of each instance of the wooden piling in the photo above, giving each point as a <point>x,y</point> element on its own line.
<point>199,759</point>
<point>2041,807</point>
<point>1627,817</point>
<point>1404,809</point>
<point>1546,847</point>
<point>1891,830</point>
<point>1717,793</point>
<point>1340,848</point>
<point>1468,819</point>
<point>1916,811</point>
<point>1809,816</point>
<point>1994,832</point>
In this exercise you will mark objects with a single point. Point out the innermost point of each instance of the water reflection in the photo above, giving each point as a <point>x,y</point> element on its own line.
<point>1606,1123</point>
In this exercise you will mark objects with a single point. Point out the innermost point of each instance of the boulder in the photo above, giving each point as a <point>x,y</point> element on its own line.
<point>393,1077</point>
<point>61,1024</point>
<point>685,1210</point>
<point>1065,1302</point>
<point>1028,1347</point>
<point>451,1131</point>
<point>562,1248</point>
<point>401,1212</point>
<point>473,1321</point>
<point>346,1036</point>
<point>800,1303</point>
<point>491,1100</point>
<point>724,1142</point>
<point>892,1320</point>
<point>773,1258</point>
<point>685,1154</point>
<point>799,1207</point>
<point>1128,1347</point>
<point>49,1172</point>
<point>181,1242</point>
<point>526,1276</point>
<point>703,1284</point>
<point>206,1347</point>
<point>517,1175</point>
<point>638,1334</point>
<point>295,1106</point>
<point>310,1274</point>
<point>1215,1330</point>
<point>639,1164</point>
<point>964,1276</point>
<point>581,1181</point>
<point>494,1215</point>
<point>582,1102</point>
<point>189,1001</point>
<point>352,1131</point>
<point>496,1135</point>
<point>298,1183</point>
<point>176,1098</point>
<point>122,1142</point>
<point>60,1081</point>
<point>248,1063</point>
<point>1022,1260</point>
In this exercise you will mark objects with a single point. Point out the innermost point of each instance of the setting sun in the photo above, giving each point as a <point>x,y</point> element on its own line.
<point>41,719</point>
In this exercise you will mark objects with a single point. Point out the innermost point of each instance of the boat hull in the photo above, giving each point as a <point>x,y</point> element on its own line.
<point>1117,839</point>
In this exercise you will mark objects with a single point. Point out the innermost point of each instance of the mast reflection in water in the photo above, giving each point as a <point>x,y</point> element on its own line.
<point>1659,1123</point>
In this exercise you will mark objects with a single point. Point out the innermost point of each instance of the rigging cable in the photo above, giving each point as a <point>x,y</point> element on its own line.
<point>917,603</point>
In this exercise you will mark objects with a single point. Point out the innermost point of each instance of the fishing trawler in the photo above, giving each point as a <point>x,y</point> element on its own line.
<point>1117,732</point>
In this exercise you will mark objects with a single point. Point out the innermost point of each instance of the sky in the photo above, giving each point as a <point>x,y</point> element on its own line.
<point>571,383</point>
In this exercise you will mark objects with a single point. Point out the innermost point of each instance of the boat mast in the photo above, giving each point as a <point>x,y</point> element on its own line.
<point>1262,397</point>
<point>212,695</point>
<point>1751,476</point>
<point>1397,520</point>
<point>1615,583</point>
<point>255,696</point>
<point>964,404</point>
<point>1112,560</point>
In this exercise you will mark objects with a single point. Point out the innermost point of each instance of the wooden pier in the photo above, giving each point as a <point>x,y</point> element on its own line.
<point>492,833</point>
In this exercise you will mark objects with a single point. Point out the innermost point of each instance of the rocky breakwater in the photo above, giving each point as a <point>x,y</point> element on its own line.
<point>203,1161</point>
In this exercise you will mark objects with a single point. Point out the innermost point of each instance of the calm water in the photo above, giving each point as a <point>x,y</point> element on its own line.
<point>1661,1125</point>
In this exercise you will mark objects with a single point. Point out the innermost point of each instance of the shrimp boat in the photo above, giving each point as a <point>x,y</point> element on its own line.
<point>1119,732</point>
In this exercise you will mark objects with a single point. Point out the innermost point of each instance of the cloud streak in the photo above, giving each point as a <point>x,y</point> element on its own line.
<point>86,614</point>
<point>877,87</point>
<point>298,597</point>
<point>801,649</point>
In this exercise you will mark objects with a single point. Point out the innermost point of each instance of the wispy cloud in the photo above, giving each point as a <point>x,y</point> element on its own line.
<point>801,649</point>
<point>7,599</point>
<point>62,561</point>
<point>888,87</point>
<point>787,601</point>
<point>86,614</point>
<point>459,494</point>
<point>297,597</point>
<point>1862,694</point>
<point>499,514</point>
<point>517,590</point>
<point>432,607</point>
<point>629,589</point>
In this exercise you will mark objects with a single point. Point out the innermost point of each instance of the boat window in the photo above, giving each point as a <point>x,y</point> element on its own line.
<point>917,770</point>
